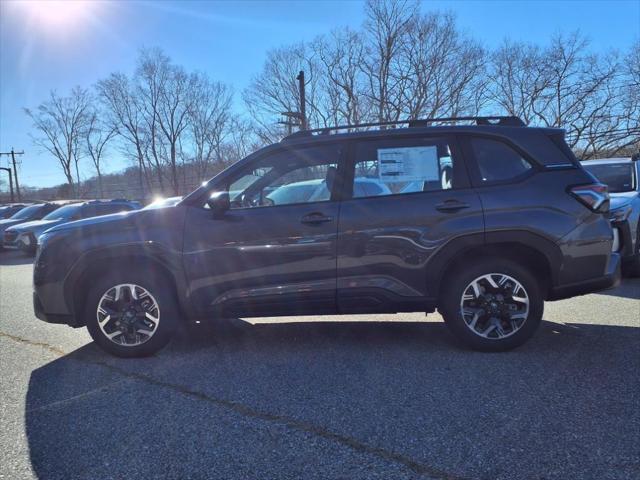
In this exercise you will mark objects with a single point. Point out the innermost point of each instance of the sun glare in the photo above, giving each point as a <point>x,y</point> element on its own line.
<point>57,13</point>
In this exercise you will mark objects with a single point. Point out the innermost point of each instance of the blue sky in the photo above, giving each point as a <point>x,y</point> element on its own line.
<point>229,40</point>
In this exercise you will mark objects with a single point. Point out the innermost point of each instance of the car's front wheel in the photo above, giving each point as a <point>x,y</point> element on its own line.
<point>633,268</point>
<point>131,315</point>
<point>494,305</point>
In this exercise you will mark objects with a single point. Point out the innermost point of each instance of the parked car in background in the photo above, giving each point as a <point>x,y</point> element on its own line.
<point>7,211</point>
<point>622,175</point>
<point>521,222</point>
<point>163,202</point>
<point>317,190</point>
<point>27,214</point>
<point>25,235</point>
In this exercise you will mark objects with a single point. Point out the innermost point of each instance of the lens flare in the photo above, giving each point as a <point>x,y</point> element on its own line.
<point>57,13</point>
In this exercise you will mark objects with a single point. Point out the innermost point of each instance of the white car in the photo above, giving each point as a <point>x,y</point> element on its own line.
<point>317,191</point>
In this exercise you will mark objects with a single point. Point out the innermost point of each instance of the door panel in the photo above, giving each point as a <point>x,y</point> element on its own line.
<point>274,251</point>
<point>262,261</point>
<point>385,242</point>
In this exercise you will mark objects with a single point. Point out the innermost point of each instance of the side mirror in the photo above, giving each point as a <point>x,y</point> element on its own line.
<point>219,203</point>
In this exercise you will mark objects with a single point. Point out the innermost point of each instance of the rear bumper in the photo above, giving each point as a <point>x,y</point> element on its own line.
<point>610,279</point>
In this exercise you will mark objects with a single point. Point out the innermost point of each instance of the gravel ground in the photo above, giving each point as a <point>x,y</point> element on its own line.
<point>379,396</point>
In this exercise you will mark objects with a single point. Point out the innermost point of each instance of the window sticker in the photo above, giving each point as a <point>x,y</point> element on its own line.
<point>408,164</point>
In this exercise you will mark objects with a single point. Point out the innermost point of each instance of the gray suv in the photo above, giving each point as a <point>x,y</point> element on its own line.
<point>503,218</point>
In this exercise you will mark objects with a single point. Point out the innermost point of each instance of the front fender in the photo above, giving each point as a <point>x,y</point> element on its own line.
<point>139,255</point>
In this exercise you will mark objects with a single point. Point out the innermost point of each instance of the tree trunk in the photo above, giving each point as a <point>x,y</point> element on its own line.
<point>100,189</point>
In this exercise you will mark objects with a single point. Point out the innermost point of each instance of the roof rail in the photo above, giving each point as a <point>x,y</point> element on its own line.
<point>106,200</point>
<point>500,121</point>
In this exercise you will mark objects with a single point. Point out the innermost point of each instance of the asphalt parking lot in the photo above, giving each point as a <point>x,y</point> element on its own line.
<point>389,399</point>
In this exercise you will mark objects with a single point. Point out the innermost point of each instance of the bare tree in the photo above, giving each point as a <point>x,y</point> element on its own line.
<point>386,27</point>
<point>152,73</point>
<point>341,55</point>
<point>518,79</point>
<point>402,64</point>
<point>209,119</point>
<point>61,123</point>
<point>565,85</point>
<point>165,90</point>
<point>96,137</point>
<point>125,115</point>
<point>275,90</point>
<point>440,72</point>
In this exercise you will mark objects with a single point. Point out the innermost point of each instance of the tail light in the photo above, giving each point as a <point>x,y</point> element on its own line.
<point>595,196</point>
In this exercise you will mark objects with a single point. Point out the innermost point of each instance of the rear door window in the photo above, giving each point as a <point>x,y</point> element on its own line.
<point>403,165</point>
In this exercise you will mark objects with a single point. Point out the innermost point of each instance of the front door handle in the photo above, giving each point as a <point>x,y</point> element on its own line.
<point>315,218</point>
<point>451,206</point>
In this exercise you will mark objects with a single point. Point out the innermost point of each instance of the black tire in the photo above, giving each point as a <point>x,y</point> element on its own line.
<point>163,293</point>
<point>454,286</point>
<point>632,269</point>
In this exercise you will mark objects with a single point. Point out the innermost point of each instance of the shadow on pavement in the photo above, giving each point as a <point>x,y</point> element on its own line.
<point>342,400</point>
<point>629,288</point>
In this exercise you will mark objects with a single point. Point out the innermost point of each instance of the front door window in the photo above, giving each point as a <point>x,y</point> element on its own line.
<point>287,178</point>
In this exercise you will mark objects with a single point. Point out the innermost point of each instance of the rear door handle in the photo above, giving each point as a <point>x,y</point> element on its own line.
<point>451,206</point>
<point>315,218</point>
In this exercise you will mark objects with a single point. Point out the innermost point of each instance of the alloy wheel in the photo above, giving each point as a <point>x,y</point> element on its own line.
<point>128,314</point>
<point>494,306</point>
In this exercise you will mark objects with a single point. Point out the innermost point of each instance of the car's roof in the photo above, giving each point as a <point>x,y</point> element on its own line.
<point>506,131</point>
<point>604,161</point>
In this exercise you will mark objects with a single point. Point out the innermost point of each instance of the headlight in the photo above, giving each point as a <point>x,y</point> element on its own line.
<point>24,238</point>
<point>620,214</point>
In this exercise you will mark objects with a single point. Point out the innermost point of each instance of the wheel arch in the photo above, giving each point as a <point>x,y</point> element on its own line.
<point>151,258</point>
<point>538,254</point>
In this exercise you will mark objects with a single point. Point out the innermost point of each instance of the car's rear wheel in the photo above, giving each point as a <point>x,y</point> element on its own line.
<point>131,315</point>
<point>493,305</point>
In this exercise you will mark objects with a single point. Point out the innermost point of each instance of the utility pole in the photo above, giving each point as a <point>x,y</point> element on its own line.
<point>303,101</point>
<point>291,120</point>
<point>299,118</point>
<point>15,170</point>
<point>10,181</point>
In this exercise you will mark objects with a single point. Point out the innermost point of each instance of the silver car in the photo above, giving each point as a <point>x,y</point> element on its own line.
<point>622,176</point>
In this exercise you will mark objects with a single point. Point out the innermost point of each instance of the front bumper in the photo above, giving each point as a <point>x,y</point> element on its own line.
<point>52,318</point>
<point>25,242</point>
<point>622,230</point>
<point>610,279</point>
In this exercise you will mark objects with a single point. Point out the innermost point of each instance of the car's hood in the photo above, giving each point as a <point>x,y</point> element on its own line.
<point>162,225</point>
<point>622,199</point>
<point>4,224</point>
<point>88,222</point>
<point>35,226</point>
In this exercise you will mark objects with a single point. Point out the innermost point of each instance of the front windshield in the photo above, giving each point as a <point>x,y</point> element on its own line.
<point>27,212</point>
<point>63,213</point>
<point>617,176</point>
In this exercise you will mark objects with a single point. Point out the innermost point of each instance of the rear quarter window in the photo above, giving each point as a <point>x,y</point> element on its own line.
<point>497,161</point>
